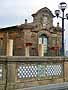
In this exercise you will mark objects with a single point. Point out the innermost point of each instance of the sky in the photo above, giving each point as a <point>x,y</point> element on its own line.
<point>14,12</point>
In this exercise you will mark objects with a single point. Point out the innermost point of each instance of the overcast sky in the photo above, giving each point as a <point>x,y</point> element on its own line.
<point>14,12</point>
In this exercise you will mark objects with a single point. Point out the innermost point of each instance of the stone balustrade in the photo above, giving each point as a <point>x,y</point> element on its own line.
<point>19,72</point>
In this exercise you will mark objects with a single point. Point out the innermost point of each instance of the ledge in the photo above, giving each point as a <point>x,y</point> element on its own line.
<point>32,58</point>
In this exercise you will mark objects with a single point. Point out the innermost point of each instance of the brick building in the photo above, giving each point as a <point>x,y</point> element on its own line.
<point>22,67</point>
<point>38,38</point>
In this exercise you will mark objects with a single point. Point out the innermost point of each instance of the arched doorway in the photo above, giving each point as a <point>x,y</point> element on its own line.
<point>43,44</point>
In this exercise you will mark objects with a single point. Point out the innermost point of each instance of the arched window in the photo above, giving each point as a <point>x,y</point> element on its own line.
<point>43,41</point>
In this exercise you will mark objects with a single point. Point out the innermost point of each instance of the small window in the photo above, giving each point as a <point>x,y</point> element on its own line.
<point>44,21</point>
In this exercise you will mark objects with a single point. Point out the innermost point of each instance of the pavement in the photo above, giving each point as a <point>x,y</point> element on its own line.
<point>62,86</point>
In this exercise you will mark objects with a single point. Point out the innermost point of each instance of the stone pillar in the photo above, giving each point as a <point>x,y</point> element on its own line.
<point>41,50</point>
<point>9,47</point>
<point>66,71</point>
<point>27,51</point>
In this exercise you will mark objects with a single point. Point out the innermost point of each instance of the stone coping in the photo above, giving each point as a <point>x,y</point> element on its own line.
<point>32,58</point>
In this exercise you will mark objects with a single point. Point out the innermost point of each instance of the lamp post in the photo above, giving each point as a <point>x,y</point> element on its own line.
<point>62,6</point>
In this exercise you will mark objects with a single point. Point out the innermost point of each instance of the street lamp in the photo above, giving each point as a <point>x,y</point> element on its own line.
<point>62,6</point>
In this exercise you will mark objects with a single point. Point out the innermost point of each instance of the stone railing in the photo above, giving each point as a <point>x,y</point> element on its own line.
<point>21,72</point>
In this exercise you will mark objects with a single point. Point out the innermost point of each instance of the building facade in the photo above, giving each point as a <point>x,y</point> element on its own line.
<point>22,51</point>
<point>38,38</point>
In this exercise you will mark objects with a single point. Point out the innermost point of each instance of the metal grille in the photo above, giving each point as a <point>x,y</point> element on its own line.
<point>27,71</point>
<point>0,71</point>
<point>53,70</point>
<point>42,70</point>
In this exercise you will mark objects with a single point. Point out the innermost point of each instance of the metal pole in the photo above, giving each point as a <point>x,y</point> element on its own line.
<point>62,49</point>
